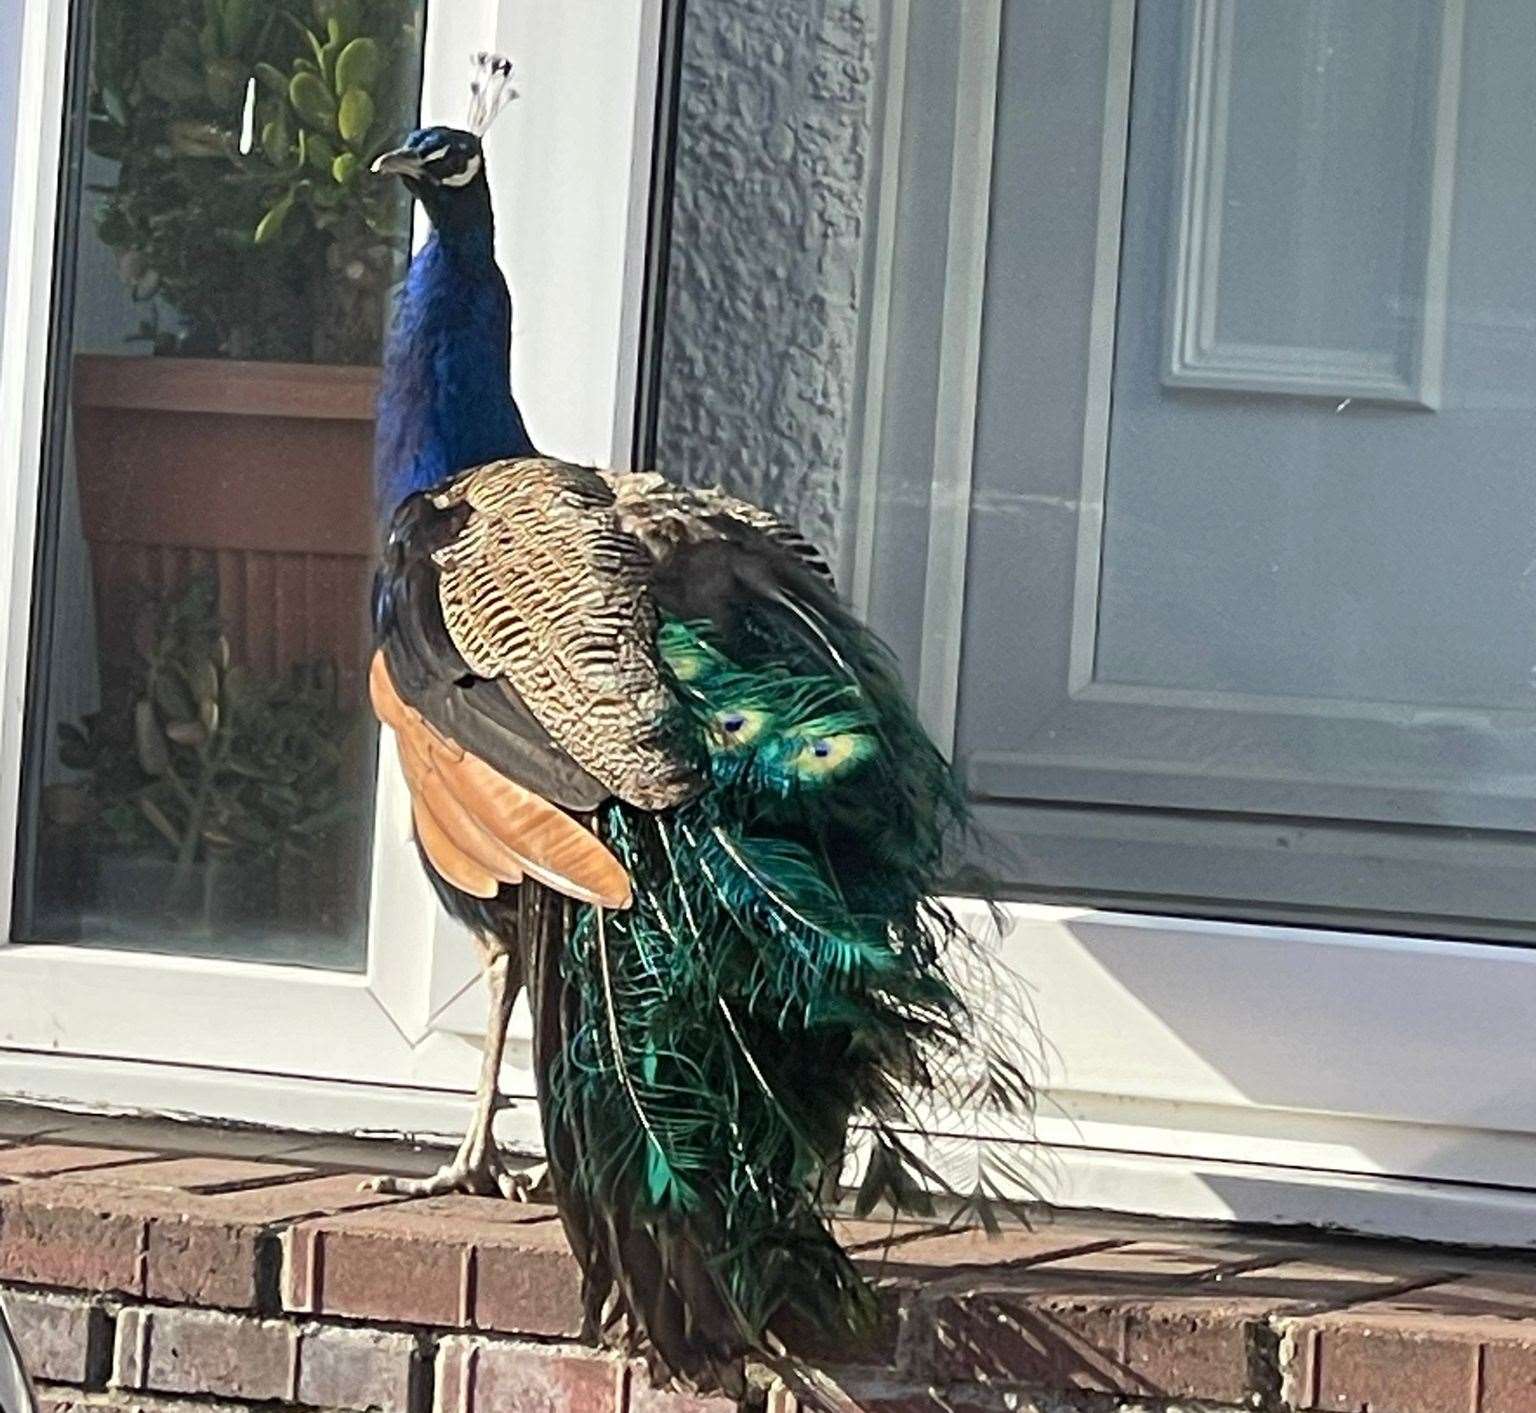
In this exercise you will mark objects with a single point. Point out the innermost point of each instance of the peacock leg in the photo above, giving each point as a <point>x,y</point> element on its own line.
<point>478,1167</point>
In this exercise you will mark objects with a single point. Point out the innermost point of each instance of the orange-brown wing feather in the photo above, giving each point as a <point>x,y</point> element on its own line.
<point>550,845</point>
<point>428,785</point>
<point>447,858</point>
<point>478,828</point>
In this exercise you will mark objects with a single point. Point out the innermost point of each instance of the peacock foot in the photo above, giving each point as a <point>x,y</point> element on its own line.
<point>477,1170</point>
<point>531,1184</point>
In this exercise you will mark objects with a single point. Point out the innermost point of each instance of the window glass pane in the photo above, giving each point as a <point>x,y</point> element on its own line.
<point>1164,383</point>
<point>199,753</point>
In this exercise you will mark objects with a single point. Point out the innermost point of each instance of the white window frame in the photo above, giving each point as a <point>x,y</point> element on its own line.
<point>1187,1068</point>
<point>392,1048</point>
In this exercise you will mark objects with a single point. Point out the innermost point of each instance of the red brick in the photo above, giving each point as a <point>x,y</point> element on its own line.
<point>455,1261</point>
<point>36,1160</point>
<point>292,1201</point>
<point>1366,1366</point>
<point>485,1376</point>
<point>205,1352</point>
<point>1501,1293</point>
<point>1509,1377</point>
<point>1160,1263</point>
<point>643,1398</point>
<point>1151,1318</point>
<point>67,1400</point>
<point>63,1338</point>
<point>1106,1343</point>
<point>366,1274</point>
<point>192,1258</point>
<point>1462,1346</point>
<point>215,1249</point>
<point>877,1392</point>
<point>1299,1286</point>
<point>371,1371</point>
<point>205,1175</point>
<point>900,1258</point>
<point>915,1251</point>
<point>527,1281</point>
<point>50,1236</point>
<point>186,1248</point>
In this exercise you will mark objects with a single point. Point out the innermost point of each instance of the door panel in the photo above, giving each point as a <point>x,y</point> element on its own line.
<point>1255,594</point>
<point>1312,198</point>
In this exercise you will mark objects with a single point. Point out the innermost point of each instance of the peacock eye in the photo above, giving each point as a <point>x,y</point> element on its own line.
<point>732,722</point>
<point>821,749</point>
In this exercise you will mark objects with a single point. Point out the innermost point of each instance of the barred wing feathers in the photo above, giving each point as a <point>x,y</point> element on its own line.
<point>665,517</point>
<point>542,588</point>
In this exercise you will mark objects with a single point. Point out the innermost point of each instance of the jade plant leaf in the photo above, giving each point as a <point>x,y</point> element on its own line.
<point>277,141</point>
<point>112,101</point>
<point>358,65</point>
<point>271,225</point>
<point>273,79</point>
<point>312,100</point>
<point>356,115</point>
<point>187,733</point>
<point>347,15</point>
<point>330,51</point>
<point>320,152</point>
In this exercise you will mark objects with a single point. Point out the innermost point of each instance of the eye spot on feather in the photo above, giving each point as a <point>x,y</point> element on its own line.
<point>737,727</point>
<point>686,667</point>
<point>827,756</point>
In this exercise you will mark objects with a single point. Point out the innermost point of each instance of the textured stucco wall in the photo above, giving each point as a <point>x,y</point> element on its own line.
<point>760,345</point>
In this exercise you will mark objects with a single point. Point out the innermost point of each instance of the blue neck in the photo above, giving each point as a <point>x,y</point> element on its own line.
<point>445,397</point>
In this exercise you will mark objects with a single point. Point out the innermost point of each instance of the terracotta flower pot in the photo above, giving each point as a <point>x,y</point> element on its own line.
<point>256,473</point>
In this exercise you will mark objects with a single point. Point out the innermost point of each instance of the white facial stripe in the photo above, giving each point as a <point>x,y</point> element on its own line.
<point>436,155</point>
<point>467,175</point>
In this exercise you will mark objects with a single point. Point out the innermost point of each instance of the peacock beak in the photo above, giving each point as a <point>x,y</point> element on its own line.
<point>402,162</point>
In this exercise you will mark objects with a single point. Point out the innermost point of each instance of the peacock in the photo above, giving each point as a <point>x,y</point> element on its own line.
<point>675,789</point>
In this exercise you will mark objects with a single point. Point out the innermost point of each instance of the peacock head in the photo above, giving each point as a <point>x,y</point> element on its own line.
<point>443,167</point>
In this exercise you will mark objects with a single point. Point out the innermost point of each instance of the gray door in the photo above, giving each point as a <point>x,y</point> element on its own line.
<point>1249,540</point>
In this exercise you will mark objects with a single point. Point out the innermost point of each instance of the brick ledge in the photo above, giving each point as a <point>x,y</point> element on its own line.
<point>165,1270</point>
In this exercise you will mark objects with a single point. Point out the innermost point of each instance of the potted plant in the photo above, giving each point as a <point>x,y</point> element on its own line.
<point>237,136</point>
<point>242,209</point>
<point>204,788</point>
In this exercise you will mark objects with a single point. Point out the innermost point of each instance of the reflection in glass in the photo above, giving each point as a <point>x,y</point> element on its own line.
<point>199,751</point>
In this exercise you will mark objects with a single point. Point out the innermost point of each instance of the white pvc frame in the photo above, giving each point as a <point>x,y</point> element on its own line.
<point>275,1044</point>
